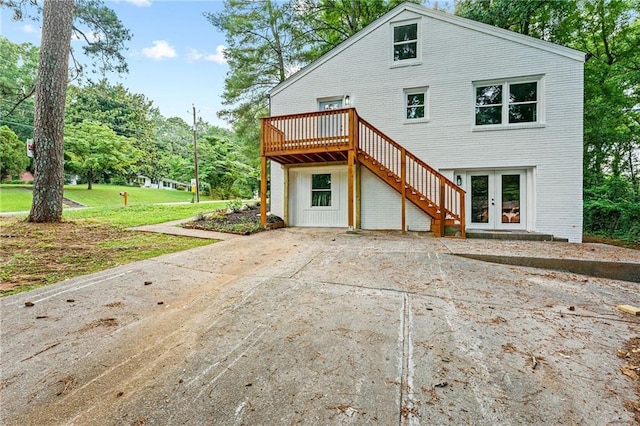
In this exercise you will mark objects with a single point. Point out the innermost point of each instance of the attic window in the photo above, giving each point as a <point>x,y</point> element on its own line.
<point>405,42</point>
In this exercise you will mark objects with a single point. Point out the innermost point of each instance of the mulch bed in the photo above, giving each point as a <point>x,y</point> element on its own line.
<point>243,222</point>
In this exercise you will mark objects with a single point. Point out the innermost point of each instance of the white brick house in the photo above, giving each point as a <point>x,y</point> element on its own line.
<point>496,113</point>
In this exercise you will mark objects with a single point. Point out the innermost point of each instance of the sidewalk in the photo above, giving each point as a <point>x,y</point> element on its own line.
<point>174,228</point>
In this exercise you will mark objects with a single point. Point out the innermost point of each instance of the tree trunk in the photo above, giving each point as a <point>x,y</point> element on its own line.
<point>51,88</point>
<point>90,179</point>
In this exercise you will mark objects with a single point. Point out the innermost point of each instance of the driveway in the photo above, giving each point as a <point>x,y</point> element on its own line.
<point>321,327</point>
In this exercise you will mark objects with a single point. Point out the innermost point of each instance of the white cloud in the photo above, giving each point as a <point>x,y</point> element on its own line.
<point>160,50</point>
<point>139,3</point>
<point>218,57</point>
<point>29,29</point>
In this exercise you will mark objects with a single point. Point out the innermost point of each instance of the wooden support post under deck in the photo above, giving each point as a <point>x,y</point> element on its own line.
<point>286,195</point>
<point>403,183</point>
<point>263,190</point>
<point>350,190</point>
<point>463,231</point>
<point>443,214</point>
<point>358,177</point>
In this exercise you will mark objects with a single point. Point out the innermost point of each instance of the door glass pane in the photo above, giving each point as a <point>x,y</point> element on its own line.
<point>510,198</point>
<point>480,199</point>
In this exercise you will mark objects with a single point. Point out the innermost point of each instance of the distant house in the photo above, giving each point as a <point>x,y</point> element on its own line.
<point>26,177</point>
<point>164,183</point>
<point>428,121</point>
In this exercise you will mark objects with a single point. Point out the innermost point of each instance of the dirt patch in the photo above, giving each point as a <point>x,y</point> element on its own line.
<point>243,221</point>
<point>630,353</point>
<point>103,322</point>
<point>610,241</point>
<point>37,254</point>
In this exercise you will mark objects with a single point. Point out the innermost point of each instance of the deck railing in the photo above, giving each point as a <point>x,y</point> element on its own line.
<point>302,132</point>
<point>343,129</point>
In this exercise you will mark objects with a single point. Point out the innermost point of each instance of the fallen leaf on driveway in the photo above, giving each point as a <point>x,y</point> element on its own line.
<point>632,371</point>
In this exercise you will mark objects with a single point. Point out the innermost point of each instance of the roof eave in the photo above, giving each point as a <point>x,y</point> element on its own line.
<point>442,16</point>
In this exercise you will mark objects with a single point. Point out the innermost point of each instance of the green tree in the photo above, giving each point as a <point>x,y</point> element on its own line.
<point>264,47</point>
<point>13,154</point>
<point>172,135</point>
<point>327,23</point>
<point>106,44</point>
<point>92,148</point>
<point>551,20</point>
<point>126,113</point>
<point>17,83</point>
<point>224,167</point>
<point>609,31</point>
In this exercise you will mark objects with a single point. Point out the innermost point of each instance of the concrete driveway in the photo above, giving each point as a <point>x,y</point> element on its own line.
<point>321,327</point>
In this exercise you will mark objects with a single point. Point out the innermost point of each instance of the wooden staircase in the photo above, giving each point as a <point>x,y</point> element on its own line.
<point>415,180</point>
<point>342,135</point>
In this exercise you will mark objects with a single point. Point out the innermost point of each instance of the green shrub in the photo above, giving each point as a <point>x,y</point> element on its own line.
<point>618,220</point>
<point>234,205</point>
<point>205,189</point>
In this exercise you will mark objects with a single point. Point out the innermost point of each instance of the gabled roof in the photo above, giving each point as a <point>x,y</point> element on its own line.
<point>441,16</point>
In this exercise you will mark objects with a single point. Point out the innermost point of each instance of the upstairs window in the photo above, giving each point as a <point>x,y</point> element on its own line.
<point>509,102</point>
<point>488,105</point>
<point>405,42</point>
<point>416,106</point>
<point>321,190</point>
<point>523,102</point>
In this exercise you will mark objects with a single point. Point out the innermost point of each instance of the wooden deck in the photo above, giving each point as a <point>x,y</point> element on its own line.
<point>342,136</point>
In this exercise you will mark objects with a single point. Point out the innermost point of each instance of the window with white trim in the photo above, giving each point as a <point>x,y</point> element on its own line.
<point>321,190</point>
<point>416,106</point>
<point>405,42</point>
<point>507,103</point>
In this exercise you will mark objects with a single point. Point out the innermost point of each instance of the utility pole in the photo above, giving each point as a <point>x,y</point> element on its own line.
<point>195,153</point>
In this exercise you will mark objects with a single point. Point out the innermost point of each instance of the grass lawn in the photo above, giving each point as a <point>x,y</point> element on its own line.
<point>15,198</point>
<point>88,240</point>
<point>109,195</point>
<point>142,214</point>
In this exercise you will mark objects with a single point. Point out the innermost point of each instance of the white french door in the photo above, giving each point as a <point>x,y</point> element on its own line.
<point>496,199</point>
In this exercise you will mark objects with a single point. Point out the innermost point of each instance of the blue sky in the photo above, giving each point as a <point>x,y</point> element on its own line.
<point>175,56</point>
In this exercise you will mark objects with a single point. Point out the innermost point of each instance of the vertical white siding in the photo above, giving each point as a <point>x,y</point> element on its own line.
<point>452,58</point>
<point>301,213</point>
<point>277,189</point>
<point>380,206</point>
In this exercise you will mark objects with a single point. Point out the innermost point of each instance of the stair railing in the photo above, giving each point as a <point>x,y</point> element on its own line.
<point>416,176</point>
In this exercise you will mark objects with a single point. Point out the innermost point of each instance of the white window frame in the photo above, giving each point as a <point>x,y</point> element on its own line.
<point>330,190</point>
<point>410,61</point>
<point>506,83</point>
<point>424,90</point>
